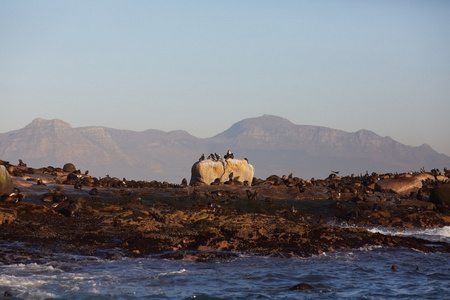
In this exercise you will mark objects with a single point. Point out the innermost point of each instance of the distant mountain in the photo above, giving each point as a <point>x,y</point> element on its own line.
<point>272,144</point>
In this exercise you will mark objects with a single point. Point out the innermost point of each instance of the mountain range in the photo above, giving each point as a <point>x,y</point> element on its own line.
<point>273,145</point>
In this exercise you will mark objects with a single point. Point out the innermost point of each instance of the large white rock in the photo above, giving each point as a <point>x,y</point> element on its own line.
<point>6,183</point>
<point>206,171</point>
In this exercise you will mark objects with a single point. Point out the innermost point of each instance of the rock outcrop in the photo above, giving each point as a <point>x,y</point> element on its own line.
<point>441,195</point>
<point>280,216</point>
<point>207,171</point>
<point>399,186</point>
<point>6,183</point>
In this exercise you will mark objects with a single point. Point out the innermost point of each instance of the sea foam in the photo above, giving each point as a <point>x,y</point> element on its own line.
<point>433,234</point>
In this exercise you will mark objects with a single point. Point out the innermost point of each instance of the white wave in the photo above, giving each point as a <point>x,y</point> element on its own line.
<point>17,281</point>
<point>433,234</point>
<point>28,287</point>
<point>173,273</point>
<point>33,267</point>
<point>370,247</point>
<point>35,295</point>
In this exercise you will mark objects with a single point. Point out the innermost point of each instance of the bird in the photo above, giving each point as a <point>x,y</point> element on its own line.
<point>202,157</point>
<point>246,159</point>
<point>293,209</point>
<point>229,155</point>
<point>217,156</point>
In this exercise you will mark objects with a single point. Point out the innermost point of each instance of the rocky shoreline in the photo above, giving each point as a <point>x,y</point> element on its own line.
<point>64,211</point>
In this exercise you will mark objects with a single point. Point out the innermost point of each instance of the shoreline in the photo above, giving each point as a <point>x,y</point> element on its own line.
<point>273,217</point>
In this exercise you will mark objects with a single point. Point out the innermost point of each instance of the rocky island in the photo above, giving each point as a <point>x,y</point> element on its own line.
<point>63,210</point>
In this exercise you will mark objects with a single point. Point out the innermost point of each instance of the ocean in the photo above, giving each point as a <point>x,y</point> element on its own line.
<point>363,273</point>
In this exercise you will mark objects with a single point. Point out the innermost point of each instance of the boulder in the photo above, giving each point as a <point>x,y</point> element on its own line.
<point>424,177</point>
<point>206,171</point>
<point>440,195</point>
<point>6,183</point>
<point>69,168</point>
<point>399,186</point>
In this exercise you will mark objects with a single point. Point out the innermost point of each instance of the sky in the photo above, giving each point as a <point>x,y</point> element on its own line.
<point>202,66</point>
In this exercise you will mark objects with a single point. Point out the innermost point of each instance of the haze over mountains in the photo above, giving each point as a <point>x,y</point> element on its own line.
<point>273,145</point>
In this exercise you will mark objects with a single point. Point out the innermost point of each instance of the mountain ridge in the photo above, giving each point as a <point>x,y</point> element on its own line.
<point>274,145</point>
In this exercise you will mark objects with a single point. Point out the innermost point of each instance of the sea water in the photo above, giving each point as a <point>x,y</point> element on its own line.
<point>363,273</point>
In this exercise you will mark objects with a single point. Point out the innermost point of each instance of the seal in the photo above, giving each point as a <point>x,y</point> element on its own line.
<point>301,286</point>
<point>49,196</point>
<point>69,207</point>
<point>12,198</point>
<point>59,195</point>
<point>78,185</point>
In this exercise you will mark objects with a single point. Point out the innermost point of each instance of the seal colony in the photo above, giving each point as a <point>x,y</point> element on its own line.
<point>278,216</point>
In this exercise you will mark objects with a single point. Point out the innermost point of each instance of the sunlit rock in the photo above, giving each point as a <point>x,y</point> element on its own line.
<point>6,183</point>
<point>399,186</point>
<point>207,171</point>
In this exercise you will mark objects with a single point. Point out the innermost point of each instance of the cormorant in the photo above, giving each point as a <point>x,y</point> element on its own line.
<point>228,155</point>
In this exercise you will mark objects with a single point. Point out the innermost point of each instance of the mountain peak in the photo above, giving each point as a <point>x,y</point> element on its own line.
<point>39,122</point>
<point>268,120</point>
<point>262,124</point>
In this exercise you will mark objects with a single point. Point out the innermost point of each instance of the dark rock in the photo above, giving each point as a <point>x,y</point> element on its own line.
<point>301,286</point>
<point>441,195</point>
<point>90,181</point>
<point>69,168</point>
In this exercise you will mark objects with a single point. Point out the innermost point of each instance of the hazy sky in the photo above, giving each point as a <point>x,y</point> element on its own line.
<point>204,65</point>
